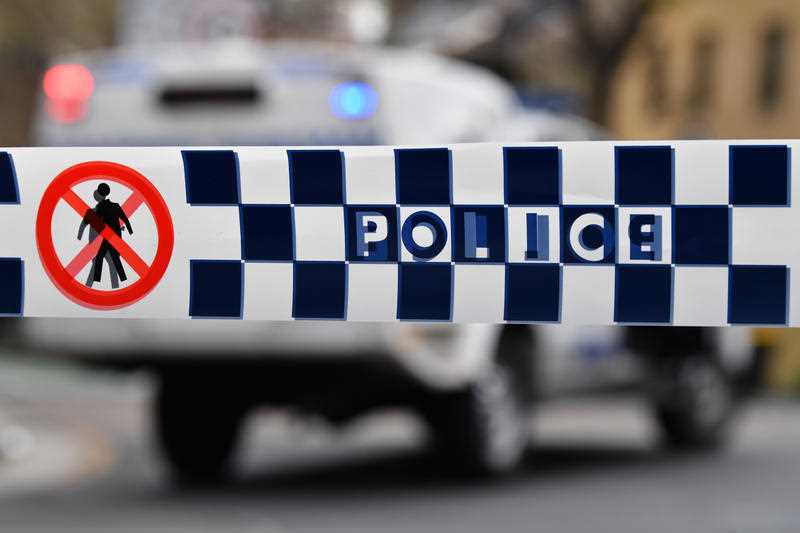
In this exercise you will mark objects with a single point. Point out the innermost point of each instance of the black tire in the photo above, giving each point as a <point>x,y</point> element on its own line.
<point>197,430</point>
<point>482,429</point>
<point>694,402</point>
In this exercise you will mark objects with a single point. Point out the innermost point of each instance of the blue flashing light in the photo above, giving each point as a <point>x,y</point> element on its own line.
<point>353,100</point>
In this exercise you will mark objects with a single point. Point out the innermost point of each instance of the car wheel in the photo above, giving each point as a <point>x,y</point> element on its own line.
<point>196,429</point>
<point>694,402</point>
<point>483,428</point>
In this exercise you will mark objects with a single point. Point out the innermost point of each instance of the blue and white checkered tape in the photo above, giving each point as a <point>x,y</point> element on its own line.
<point>672,232</point>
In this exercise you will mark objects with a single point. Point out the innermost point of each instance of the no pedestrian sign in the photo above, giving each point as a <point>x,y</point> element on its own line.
<point>106,242</point>
<point>698,233</point>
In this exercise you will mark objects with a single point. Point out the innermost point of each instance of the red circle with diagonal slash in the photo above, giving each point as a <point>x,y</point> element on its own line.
<point>64,276</point>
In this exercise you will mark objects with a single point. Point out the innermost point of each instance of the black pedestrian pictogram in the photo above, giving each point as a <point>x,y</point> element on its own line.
<point>111,215</point>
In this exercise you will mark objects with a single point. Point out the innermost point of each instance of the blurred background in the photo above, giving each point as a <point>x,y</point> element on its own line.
<point>611,422</point>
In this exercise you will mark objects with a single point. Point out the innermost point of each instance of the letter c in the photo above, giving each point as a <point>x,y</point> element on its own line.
<point>577,237</point>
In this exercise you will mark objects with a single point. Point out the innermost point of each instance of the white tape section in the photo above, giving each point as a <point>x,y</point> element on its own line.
<point>670,232</point>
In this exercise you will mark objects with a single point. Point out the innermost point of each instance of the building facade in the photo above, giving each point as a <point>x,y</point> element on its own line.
<point>711,68</point>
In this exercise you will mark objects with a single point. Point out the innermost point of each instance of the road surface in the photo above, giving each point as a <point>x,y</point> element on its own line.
<point>593,466</point>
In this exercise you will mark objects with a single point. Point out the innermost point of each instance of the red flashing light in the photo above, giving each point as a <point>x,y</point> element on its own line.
<point>67,87</point>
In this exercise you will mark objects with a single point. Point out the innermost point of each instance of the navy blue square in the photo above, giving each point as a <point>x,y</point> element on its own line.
<point>533,293</point>
<point>700,235</point>
<point>423,176</point>
<point>11,286</point>
<point>643,175</point>
<point>215,289</point>
<point>757,294</point>
<point>317,177</point>
<point>363,231</point>
<point>320,290</point>
<point>643,294</point>
<point>759,175</point>
<point>267,233</point>
<point>425,291</point>
<point>9,191</point>
<point>212,177</point>
<point>591,237</point>
<point>479,234</point>
<point>532,175</point>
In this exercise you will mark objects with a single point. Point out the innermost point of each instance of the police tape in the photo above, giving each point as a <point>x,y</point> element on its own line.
<point>685,233</point>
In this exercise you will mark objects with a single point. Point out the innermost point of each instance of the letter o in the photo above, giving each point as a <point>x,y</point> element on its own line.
<point>432,222</point>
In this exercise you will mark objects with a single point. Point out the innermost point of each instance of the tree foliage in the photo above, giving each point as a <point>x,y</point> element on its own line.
<point>31,33</point>
<point>601,40</point>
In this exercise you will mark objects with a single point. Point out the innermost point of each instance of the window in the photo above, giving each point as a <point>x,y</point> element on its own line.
<point>656,90</point>
<point>705,51</point>
<point>773,65</point>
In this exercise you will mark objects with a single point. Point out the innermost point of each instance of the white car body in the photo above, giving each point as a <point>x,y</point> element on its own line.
<point>423,99</point>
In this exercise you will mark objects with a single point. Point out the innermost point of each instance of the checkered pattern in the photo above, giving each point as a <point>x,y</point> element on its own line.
<point>12,272</point>
<point>578,233</point>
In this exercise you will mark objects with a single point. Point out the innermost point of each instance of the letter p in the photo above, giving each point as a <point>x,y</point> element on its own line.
<point>372,229</point>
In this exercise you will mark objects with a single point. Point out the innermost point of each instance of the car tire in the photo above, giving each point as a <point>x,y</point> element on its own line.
<point>197,430</point>
<point>694,402</point>
<point>482,429</point>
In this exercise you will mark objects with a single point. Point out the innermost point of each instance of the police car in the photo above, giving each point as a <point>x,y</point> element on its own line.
<point>474,384</point>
